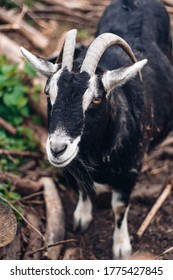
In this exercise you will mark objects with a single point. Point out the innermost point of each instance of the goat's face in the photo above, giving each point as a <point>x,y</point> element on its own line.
<point>70,93</point>
<point>67,100</point>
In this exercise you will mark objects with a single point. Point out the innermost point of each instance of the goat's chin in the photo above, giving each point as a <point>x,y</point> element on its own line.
<point>64,162</point>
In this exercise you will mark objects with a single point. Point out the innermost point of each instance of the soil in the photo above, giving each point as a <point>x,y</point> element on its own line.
<point>96,242</point>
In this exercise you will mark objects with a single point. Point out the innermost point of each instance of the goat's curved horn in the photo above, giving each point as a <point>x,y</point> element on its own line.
<point>69,49</point>
<point>97,48</point>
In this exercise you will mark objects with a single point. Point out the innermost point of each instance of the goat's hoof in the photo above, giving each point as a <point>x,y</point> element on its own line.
<point>80,225</point>
<point>122,251</point>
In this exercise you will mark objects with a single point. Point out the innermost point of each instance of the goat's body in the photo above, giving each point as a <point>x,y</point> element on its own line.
<point>140,114</point>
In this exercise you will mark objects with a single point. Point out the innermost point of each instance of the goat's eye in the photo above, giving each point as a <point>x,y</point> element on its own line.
<point>96,100</point>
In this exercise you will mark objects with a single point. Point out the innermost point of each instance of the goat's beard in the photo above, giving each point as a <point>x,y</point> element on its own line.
<point>78,176</point>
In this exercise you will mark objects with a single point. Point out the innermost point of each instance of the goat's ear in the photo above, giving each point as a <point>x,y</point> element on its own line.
<point>45,67</point>
<point>120,76</point>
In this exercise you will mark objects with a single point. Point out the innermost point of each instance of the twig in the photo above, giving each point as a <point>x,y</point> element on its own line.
<point>21,15</point>
<point>31,196</point>
<point>52,245</point>
<point>19,153</point>
<point>165,252</point>
<point>32,34</point>
<point>30,14</point>
<point>11,49</point>
<point>154,209</point>
<point>7,126</point>
<point>8,27</point>
<point>26,221</point>
<point>23,185</point>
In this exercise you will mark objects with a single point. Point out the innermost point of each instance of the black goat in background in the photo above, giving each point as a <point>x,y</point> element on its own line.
<point>99,131</point>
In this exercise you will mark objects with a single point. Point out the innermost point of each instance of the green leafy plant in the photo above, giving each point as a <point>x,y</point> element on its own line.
<point>15,109</point>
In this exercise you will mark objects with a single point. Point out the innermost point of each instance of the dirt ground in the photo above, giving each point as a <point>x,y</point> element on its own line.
<point>96,243</point>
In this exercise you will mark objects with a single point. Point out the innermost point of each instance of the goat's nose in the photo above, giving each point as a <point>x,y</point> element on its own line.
<point>59,150</point>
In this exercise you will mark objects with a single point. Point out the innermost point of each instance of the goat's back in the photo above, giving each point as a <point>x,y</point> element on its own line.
<point>141,23</point>
<point>145,25</point>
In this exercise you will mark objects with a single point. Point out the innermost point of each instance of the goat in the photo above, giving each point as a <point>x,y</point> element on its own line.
<point>100,120</point>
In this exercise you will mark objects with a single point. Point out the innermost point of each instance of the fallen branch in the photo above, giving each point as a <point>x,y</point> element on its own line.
<point>34,242</point>
<point>154,209</point>
<point>32,34</point>
<point>19,153</point>
<point>167,142</point>
<point>161,152</point>
<point>165,252</point>
<point>7,126</point>
<point>24,186</point>
<point>11,50</point>
<point>55,227</point>
<point>9,26</point>
<point>51,246</point>
<point>31,196</point>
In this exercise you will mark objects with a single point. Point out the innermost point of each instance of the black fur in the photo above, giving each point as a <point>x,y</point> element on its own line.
<point>117,132</point>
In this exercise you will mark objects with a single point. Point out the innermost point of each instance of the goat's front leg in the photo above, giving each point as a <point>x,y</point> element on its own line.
<point>121,241</point>
<point>82,214</point>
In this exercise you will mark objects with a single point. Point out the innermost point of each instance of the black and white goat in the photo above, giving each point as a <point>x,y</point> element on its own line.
<point>99,131</point>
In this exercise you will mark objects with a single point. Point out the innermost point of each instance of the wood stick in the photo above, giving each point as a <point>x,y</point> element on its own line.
<point>8,26</point>
<point>24,186</point>
<point>11,50</point>
<point>168,141</point>
<point>168,2</point>
<point>52,245</point>
<point>55,227</point>
<point>7,126</point>
<point>154,210</point>
<point>34,242</point>
<point>32,34</point>
<point>19,153</point>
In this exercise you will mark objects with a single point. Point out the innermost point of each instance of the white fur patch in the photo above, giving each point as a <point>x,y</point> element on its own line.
<point>121,241</point>
<point>90,93</point>
<point>60,138</point>
<point>101,188</point>
<point>83,213</point>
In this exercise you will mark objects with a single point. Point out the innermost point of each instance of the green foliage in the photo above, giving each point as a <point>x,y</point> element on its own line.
<point>10,4</point>
<point>13,93</point>
<point>83,34</point>
<point>15,109</point>
<point>12,196</point>
<point>7,3</point>
<point>8,194</point>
